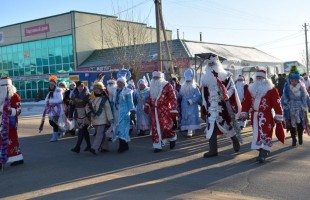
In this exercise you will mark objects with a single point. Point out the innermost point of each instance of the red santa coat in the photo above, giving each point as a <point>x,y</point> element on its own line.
<point>215,106</point>
<point>162,118</point>
<point>14,152</point>
<point>262,118</point>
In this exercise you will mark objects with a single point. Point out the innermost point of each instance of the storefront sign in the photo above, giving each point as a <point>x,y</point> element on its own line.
<point>74,78</point>
<point>44,28</point>
<point>1,37</point>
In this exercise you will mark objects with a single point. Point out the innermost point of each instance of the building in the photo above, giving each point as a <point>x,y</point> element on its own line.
<point>31,51</point>
<point>185,53</point>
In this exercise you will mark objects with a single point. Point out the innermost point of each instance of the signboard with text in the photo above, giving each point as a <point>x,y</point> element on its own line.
<point>44,28</point>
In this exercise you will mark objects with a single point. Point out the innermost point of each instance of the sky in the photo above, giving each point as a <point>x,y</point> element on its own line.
<point>273,26</point>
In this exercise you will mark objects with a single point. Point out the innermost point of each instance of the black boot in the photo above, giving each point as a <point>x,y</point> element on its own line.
<point>93,151</point>
<point>236,143</point>
<point>123,146</point>
<point>212,147</point>
<point>87,139</point>
<point>300,130</point>
<point>172,144</point>
<point>263,154</point>
<point>76,149</point>
<point>20,162</point>
<point>141,133</point>
<point>293,135</point>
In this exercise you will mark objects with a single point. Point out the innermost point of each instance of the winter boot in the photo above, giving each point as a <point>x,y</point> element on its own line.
<point>293,135</point>
<point>236,143</point>
<point>172,144</point>
<point>141,133</point>
<point>263,154</point>
<point>76,149</point>
<point>54,137</point>
<point>300,131</point>
<point>122,146</point>
<point>87,139</point>
<point>212,147</point>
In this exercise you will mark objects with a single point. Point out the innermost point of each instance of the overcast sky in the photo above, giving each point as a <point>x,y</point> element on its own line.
<point>273,26</point>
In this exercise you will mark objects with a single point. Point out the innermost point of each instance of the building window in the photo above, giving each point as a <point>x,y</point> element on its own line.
<point>32,61</point>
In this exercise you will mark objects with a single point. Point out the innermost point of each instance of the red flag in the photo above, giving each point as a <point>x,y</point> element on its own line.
<point>280,132</point>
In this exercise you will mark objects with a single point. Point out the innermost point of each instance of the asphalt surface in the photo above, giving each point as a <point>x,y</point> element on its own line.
<point>52,171</point>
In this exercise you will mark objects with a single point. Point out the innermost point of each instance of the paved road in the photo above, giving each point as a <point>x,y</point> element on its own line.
<point>52,171</point>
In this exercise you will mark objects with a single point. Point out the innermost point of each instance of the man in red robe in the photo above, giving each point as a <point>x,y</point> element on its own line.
<point>221,103</point>
<point>262,97</point>
<point>10,109</point>
<point>162,103</point>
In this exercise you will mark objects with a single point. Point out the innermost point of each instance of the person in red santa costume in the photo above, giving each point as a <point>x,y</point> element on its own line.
<point>262,97</point>
<point>219,92</point>
<point>162,103</point>
<point>10,109</point>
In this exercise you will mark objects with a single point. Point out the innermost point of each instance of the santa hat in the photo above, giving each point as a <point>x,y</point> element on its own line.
<point>72,83</point>
<point>5,81</point>
<point>156,74</point>
<point>261,73</point>
<point>241,78</point>
<point>189,74</point>
<point>53,79</point>
<point>111,81</point>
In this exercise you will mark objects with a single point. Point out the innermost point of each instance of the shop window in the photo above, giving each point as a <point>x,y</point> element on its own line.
<point>11,73</point>
<point>28,94</point>
<point>45,61</point>
<point>38,44</point>
<point>51,60</point>
<point>26,46</point>
<point>65,41</point>
<point>20,55</point>
<point>39,70</point>
<point>32,54</point>
<point>57,42</point>
<point>22,85</point>
<point>65,59</point>
<point>44,53</point>
<point>34,85</point>
<point>20,47</point>
<point>40,84</point>
<point>5,65</point>
<point>52,69</point>
<point>21,94</point>
<point>9,49</point>
<point>51,52</point>
<point>59,69</point>
<point>3,50</point>
<point>21,72</point>
<point>66,67</point>
<point>14,48</point>
<point>46,70</point>
<point>33,70</point>
<point>32,45</point>
<point>44,44</point>
<point>16,72</point>
<point>58,60</point>
<point>27,71</point>
<point>39,62</point>
<point>51,43</point>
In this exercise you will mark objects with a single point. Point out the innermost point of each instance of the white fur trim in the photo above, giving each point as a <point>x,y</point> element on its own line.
<point>173,111</point>
<point>278,117</point>
<point>6,81</point>
<point>262,74</point>
<point>156,74</point>
<point>13,112</point>
<point>15,158</point>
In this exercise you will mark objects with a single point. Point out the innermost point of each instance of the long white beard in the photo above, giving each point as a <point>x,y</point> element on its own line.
<point>3,92</point>
<point>296,90</point>
<point>155,88</point>
<point>111,89</point>
<point>260,87</point>
<point>187,87</point>
<point>240,89</point>
<point>209,79</point>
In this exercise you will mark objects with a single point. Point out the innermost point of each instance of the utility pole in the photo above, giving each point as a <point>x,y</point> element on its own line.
<point>161,26</point>
<point>307,58</point>
<point>159,57</point>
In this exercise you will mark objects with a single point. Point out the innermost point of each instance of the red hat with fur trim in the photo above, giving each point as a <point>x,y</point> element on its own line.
<point>5,81</point>
<point>261,73</point>
<point>156,74</point>
<point>111,81</point>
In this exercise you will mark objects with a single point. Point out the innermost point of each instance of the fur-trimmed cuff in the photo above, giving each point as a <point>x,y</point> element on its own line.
<point>174,111</point>
<point>147,104</point>
<point>13,112</point>
<point>278,118</point>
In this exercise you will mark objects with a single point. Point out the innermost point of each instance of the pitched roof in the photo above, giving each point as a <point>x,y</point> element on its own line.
<point>183,49</point>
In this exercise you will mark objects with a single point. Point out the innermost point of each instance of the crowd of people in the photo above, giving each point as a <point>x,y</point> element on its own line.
<point>158,107</point>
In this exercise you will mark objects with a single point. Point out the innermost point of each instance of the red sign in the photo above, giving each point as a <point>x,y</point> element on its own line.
<point>44,28</point>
